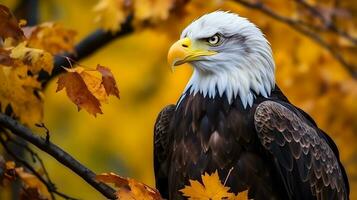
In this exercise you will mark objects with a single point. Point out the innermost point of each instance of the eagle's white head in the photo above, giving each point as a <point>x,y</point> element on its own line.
<point>230,56</point>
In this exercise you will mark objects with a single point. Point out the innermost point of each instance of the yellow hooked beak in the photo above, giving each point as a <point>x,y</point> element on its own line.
<point>183,51</point>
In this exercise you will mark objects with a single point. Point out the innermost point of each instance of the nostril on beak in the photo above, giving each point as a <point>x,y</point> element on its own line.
<point>184,45</point>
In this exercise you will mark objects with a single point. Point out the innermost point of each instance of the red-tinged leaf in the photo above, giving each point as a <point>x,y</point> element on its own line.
<point>9,26</point>
<point>78,92</point>
<point>32,194</point>
<point>5,58</point>
<point>108,81</point>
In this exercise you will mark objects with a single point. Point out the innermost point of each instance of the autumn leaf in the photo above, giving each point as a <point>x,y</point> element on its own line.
<point>112,13</point>
<point>95,85</point>
<point>129,189</point>
<point>9,26</point>
<point>51,37</point>
<point>35,59</point>
<point>5,58</point>
<point>154,10</point>
<point>78,91</point>
<point>240,196</point>
<point>32,182</point>
<point>32,194</point>
<point>210,189</point>
<point>32,188</point>
<point>88,88</point>
<point>21,92</point>
<point>108,81</point>
<point>7,171</point>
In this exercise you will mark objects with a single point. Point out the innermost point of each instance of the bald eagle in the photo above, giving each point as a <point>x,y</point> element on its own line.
<point>233,118</point>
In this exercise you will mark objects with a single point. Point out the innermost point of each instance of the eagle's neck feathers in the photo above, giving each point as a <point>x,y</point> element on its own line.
<point>236,82</point>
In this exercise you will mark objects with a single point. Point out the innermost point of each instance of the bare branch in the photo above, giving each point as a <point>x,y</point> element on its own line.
<point>303,28</point>
<point>28,10</point>
<point>56,152</point>
<point>328,24</point>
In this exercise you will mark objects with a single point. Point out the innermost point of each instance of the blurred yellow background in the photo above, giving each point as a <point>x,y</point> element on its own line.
<point>120,140</point>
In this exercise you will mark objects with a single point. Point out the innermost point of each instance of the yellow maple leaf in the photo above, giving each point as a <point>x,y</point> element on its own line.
<point>36,59</point>
<point>112,13</point>
<point>95,85</point>
<point>210,189</point>
<point>18,91</point>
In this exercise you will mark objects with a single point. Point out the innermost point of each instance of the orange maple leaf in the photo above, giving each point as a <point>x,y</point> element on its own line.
<point>210,189</point>
<point>9,26</point>
<point>108,81</point>
<point>78,92</point>
<point>86,89</point>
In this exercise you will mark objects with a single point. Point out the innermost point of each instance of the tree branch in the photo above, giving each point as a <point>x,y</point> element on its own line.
<point>327,23</point>
<point>87,47</point>
<point>28,10</point>
<point>56,152</point>
<point>302,28</point>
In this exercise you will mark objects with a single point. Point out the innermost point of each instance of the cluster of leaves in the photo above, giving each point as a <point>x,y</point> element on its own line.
<point>112,13</point>
<point>28,51</point>
<point>211,188</point>
<point>25,52</point>
<point>32,187</point>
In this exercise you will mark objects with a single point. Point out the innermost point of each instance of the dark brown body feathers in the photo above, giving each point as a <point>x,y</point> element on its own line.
<point>273,149</point>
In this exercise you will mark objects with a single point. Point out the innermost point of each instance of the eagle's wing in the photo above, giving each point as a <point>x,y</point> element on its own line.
<point>161,148</point>
<point>306,164</point>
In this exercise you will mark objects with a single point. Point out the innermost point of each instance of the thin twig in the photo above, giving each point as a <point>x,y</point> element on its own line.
<point>27,165</point>
<point>42,125</point>
<point>327,23</point>
<point>34,155</point>
<point>56,152</point>
<point>50,186</point>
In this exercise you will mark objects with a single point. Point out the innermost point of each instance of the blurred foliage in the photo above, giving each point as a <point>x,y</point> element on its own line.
<point>121,139</point>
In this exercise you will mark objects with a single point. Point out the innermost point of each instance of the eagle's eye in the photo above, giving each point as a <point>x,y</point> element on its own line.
<point>214,40</point>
